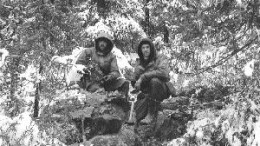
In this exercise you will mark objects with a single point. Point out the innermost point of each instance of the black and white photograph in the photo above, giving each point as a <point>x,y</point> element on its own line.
<point>129,73</point>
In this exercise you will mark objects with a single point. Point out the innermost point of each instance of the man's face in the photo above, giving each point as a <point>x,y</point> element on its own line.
<point>146,51</point>
<point>102,44</point>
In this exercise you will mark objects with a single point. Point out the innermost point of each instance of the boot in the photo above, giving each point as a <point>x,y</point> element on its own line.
<point>151,113</point>
<point>148,119</point>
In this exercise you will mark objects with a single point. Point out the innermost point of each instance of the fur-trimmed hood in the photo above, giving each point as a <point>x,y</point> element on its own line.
<point>152,51</point>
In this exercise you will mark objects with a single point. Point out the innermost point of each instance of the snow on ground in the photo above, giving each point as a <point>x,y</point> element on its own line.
<point>73,75</point>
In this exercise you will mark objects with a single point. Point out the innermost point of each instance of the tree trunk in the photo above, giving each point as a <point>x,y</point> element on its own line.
<point>101,7</point>
<point>37,94</point>
<point>166,33</point>
<point>14,81</point>
<point>147,18</point>
<point>36,101</point>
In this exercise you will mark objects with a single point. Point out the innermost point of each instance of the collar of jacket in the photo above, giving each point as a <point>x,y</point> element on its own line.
<point>151,63</point>
<point>101,53</point>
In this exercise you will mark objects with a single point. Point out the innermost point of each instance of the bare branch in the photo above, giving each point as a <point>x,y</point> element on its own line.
<point>223,60</point>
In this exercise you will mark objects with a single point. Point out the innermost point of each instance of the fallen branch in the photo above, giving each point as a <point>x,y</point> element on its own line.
<point>174,105</point>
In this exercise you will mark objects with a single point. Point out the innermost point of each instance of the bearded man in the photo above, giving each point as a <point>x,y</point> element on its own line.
<point>107,63</point>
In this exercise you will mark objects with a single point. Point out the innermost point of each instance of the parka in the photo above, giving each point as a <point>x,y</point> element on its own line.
<point>106,61</point>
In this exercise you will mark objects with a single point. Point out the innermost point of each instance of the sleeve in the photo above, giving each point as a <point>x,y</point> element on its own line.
<point>138,71</point>
<point>84,57</point>
<point>114,70</point>
<point>161,70</point>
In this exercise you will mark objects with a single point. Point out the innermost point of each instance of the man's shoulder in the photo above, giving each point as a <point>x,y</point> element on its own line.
<point>138,64</point>
<point>88,50</point>
<point>112,53</point>
<point>161,56</point>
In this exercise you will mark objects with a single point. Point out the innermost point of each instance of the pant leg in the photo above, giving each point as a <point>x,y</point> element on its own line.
<point>88,85</point>
<point>157,93</point>
<point>125,88</point>
<point>141,107</point>
<point>83,82</point>
<point>114,84</point>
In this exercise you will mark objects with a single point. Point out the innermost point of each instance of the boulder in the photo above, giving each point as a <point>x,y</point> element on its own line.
<point>125,137</point>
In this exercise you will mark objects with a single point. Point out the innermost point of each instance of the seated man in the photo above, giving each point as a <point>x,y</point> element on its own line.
<point>151,77</point>
<point>107,64</point>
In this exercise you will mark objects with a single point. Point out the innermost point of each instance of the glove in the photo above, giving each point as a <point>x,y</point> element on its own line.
<point>129,74</point>
<point>86,71</point>
<point>138,84</point>
<point>107,77</point>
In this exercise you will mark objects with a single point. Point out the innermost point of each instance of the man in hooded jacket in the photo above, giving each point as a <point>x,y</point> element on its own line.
<point>151,77</point>
<point>107,63</point>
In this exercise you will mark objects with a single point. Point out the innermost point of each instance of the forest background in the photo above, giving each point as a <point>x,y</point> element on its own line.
<point>210,43</point>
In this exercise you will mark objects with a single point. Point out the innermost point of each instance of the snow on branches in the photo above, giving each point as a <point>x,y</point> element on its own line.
<point>235,125</point>
<point>121,28</point>
<point>23,130</point>
<point>249,68</point>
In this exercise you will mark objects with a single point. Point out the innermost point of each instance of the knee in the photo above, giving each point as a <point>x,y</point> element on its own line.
<point>155,81</point>
<point>125,85</point>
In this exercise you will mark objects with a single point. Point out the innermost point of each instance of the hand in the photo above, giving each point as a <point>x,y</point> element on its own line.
<point>86,71</point>
<point>129,74</point>
<point>107,77</point>
<point>83,71</point>
<point>79,68</point>
<point>138,84</point>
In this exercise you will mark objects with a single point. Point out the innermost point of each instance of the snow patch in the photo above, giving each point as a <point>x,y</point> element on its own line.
<point>3,54</point>
<point>249,68</point>
<point>73,75</point>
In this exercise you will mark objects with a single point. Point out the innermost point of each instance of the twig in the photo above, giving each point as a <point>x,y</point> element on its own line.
<point>221,61</point>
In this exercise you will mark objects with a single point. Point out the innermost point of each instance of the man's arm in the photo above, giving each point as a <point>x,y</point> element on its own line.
<point>84,57</point>
<point>114,70</point>
<point>138,71</point>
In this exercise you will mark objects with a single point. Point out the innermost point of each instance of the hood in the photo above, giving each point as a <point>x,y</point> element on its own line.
<point>152,54</point>
<point>108,38</point>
